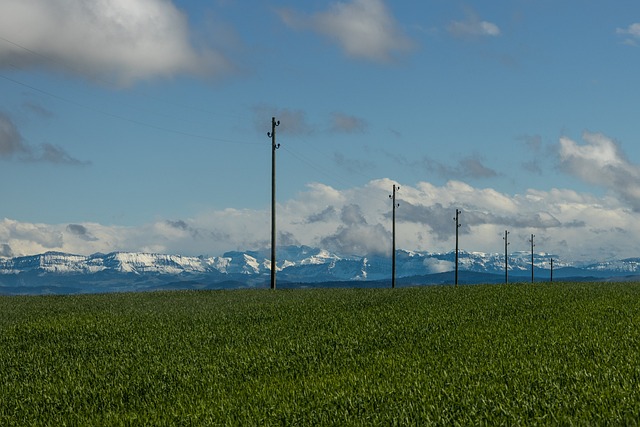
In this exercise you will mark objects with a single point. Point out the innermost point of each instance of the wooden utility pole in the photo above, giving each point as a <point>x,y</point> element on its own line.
<point>458,212</point>
<point>393,236</point>
<point>551,277</point>
<point>274,147</point>
<point>532,246</point>
<point>506,258</point>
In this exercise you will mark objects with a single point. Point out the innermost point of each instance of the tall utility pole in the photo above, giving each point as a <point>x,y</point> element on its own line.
<point>458,212</point>
<point>506,258</point>
<point>551,278</point>
<point>532,245</point>
<point>274,147</point>
<point>393,236</point>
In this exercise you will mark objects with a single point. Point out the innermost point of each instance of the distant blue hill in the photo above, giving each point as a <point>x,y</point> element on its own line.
<point>298,266</point>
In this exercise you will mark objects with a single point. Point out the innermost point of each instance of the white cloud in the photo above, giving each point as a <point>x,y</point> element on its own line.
<point>434,265</point>
<point>119,41</point>
<point>364,29</point>
<point>632,30</point>
<point>473,26</point>
<point>30,238</point>
<point>573,225</point>
<point>600,161</point>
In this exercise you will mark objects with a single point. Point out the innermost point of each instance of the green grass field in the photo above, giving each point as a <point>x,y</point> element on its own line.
<point>494,355</point>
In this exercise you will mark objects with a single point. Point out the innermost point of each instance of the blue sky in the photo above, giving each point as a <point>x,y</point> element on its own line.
<point>140,125</point>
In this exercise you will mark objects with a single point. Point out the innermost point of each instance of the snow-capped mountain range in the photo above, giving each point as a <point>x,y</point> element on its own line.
<point>55,272</point>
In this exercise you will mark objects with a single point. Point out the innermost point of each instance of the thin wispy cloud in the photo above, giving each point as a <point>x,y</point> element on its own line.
<point>13,146</point>
<point>295,121</point>
<point>341,122</point>
<point>474,167</point>
<point>11,141</point>
<point>473,26</point>
<point>471,166</point>
<point>538,152</point>
<point>364,29</point>
<point>357,165</point>
<point>292,121</point>
<point>38,110</point>
<point>54,154</point>
<point>632,33</point>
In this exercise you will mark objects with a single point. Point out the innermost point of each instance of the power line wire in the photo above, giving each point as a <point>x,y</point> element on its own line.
<point>327,156</point>
<point>76,70</point>
<point>316,167</point>
<point>80,71</point>
<point>126,119</point>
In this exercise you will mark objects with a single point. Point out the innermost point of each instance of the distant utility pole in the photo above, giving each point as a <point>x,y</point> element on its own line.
<point>393,236</point>
<point>506,258</point>
<point>551,278</point>
<point>532,246</point>
<point>458,212</point>
<point>274,147</point>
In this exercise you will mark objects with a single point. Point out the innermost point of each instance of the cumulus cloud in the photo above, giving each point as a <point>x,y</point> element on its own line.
<point>352,215</point>
<point>13,145</point>
<point>41,236</point>
<point>81,231</point>
<point>577,226</point>
<point>119,41</point>
<point>287,239</point>
<point>436,216</point>
<point>601,161</point>
<point>180,224</point>
<point>323,216</point>
<point>359,240</point>
<point>364,29</point>
<point>473,26</point>
<point>5,251</point>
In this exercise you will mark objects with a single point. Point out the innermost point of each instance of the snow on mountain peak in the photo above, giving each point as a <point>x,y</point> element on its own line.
<point>298,264</point>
